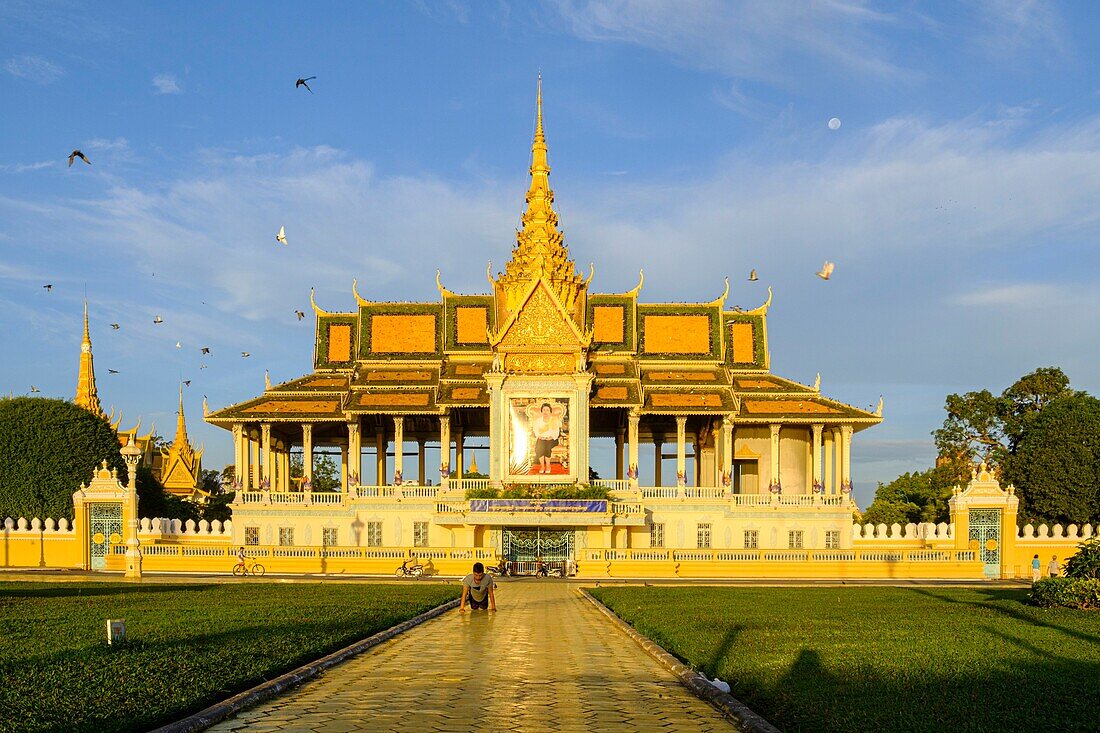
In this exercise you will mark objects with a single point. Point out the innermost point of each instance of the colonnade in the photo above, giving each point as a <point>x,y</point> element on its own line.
<point>263,461</point>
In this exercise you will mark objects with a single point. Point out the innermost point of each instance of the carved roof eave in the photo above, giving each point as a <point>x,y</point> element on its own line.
<point>858,423</point>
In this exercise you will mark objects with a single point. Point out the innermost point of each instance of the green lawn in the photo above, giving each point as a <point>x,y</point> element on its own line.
<point>882,659</point>
<point>191,644</point>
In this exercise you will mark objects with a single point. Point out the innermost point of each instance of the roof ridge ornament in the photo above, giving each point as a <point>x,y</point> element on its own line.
<point>317,310</point>
<point>355,291</point>
<point>762,310</point>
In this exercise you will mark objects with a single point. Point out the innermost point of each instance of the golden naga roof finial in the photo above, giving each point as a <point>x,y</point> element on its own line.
<point>439,286</point>
<point>489,273</point>
<point>817,383</point>
<point>762,310</point>
<point>267,379</point>
<point>721,299</point>
<point>878,410</point>
<point>205,409</point>
<point>355,292</point>
<point>317,310</point>
<point>591,273</point>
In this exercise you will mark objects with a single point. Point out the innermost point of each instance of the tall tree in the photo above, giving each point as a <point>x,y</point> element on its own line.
<point>1056,465</point>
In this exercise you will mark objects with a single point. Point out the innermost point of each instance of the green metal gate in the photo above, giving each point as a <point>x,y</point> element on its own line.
<point>985,527</point>
<point>105,529</point>
<point>522,548</point>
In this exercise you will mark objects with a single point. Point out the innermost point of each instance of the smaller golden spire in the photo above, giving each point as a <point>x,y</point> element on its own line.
<point>86,395</point>
<point>181,424</point>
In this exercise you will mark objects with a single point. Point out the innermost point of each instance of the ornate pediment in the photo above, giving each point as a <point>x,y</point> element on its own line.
<point>540,324</point>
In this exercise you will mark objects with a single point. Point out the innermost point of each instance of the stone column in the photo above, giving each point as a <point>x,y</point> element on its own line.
<point>846,442</point>
<point>257,462</point>
<point>775,477</point>
<point>444,445</point>
<point>827,475</point>
<point>344,467</point>
<point>838,466</point>
<point>420,476</point>
<point>240,461</point>
<point>460,450</point>
<point>658,449</point>
<point>816,448</point>
<point>632,420</point>
<point>380,457</point>
<point>398,449</point>
<point>355,451</point>
<point>620,438</point>
<point>727,453</point>
<point>268,455</point>
<point>307,452</point>
<point>681,450</point>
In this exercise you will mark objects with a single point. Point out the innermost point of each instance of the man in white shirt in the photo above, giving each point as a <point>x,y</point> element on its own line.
<point>478,587</point>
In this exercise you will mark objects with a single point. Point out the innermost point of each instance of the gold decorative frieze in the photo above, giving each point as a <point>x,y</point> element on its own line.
<point>540,363</point>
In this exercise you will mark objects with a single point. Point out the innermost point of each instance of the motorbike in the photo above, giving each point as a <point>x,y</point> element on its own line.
<point>500,569</point>
<point>405,570</point>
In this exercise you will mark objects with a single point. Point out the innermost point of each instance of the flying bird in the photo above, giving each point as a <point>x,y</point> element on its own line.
<point>281,236</point>
<point>179,345</point>
<point>112,371</point>
<point>202,366</point>
<point>48,287</point>
<point>752,277</point>
<point>300,314</point>
<point>115,326</point>
<point>206,349</point>
<point>77,154</point>
<point>826,270</point>
<point>187,383</point>
<point>302,83</point>
<point>34,389</point>
<point>158,319</point>
<point>245,355</point>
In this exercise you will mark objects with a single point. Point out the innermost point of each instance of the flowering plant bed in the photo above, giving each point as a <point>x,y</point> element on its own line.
<point>540,491</point>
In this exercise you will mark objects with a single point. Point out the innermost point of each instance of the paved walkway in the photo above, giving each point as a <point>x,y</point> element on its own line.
<point>547,660</point>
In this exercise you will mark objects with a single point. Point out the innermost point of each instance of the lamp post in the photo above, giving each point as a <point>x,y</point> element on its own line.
<point>132,454</point>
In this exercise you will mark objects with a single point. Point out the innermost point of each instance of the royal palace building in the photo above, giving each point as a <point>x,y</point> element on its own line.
<point>535,370</point>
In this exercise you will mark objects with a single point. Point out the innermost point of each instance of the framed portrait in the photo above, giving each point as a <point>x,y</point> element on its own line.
<point>538,437</point>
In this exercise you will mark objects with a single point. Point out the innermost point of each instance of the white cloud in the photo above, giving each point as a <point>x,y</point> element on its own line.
<point>746,38</point>
<point>24,167</point>
<point>34,68</point>
<point>1008,28</point>
<point>1020,294</point>
<point>166,84</point>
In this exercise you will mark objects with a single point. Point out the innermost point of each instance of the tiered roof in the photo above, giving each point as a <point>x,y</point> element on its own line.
<point>428,357</point>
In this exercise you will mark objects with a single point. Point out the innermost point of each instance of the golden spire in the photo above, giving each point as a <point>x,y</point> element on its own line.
<point>540,250</point>
<point>181,425</point>
<point>86,395</point>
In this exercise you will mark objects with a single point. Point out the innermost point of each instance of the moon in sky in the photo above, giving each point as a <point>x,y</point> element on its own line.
<point>834,123</point>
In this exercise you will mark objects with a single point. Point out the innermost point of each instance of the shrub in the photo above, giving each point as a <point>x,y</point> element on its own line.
<point>1082,593</point>
<point>541,491</point>
<point>487,492</point>
<point>1086,563</point>
<point>47,449</point>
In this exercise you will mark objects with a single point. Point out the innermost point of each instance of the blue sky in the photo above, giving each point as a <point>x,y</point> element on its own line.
<point>958,198</point>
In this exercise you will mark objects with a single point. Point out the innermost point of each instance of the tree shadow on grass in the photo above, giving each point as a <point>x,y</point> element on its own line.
<point>1054,695</point>
<point>1004,605</point>
<point>66,590</point>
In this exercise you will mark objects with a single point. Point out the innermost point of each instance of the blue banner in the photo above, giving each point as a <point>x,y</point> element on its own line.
<point>568,506</point>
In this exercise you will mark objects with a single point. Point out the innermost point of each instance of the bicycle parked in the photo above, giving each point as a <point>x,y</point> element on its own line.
<point>250,567</point>
<point>406,570</point>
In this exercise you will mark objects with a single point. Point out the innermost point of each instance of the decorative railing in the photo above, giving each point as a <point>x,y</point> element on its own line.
<point>612,484</point>
<point>465,484</point>
<point>655,554</point>
<point>22,524</point>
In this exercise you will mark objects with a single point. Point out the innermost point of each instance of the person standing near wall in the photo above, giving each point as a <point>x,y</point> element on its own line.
<point>1036,569</point>
<point>1052,567</point>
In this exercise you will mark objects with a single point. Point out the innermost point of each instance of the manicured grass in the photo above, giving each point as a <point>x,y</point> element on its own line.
<point>882,659</point>
<point>190,644</point>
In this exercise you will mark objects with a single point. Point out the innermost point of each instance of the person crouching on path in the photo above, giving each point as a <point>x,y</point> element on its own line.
<point>478,586</point>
